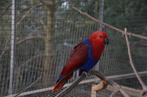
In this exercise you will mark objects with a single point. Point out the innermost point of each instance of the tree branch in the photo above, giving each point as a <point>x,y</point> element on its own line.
<point>5,10</point>
<point>114,93</point>
<point>110,82</point>
<point>130,91</point>
<point>26,14</point>
<point>144,87</point>
<point>74,84</point>
<point>27,61</point>
<point>5,47</point>
<point>17,23</point>
<point>29,86</point>
<point>109,26</point>
<point>19,42</point>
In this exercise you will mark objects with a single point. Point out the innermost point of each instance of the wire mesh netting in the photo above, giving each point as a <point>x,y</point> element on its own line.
<point>41,52</point>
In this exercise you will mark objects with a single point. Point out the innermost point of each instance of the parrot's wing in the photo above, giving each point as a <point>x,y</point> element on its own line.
<point>76,59</point>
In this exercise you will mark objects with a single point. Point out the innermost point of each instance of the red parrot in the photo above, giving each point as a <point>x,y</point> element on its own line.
<point>84,57</point>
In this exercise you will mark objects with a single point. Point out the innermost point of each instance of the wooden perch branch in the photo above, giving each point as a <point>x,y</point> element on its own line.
<point>144,87</point>
<point>130,91</point>
<point>110,26</point>
<point>102,85</point>
<point>74,84</point>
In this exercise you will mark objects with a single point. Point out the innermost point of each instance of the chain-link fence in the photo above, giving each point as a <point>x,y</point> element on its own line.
<point>39,51</point>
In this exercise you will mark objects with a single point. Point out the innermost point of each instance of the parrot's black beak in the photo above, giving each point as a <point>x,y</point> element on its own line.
<point>107,41</point>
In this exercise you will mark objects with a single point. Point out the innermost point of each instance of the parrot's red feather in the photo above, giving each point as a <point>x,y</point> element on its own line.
<point>90,50</point>
<point>58,86</point>
<point>77,58</point>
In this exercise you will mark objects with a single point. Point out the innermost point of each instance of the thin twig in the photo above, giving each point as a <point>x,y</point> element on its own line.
<point>19,42</point>
<point>109,26</point>
<point>124,93</point>
<point>27,13</point>
<point>119,88</point>
<point>24,89</point>
<point>3,51</point>
<point>144,87</point>
<point>5,10</point>
<point>17,23</point>
<point>114,93</point>
<point>19,69</point>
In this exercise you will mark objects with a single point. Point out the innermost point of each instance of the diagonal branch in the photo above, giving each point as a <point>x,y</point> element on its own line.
<point>6,48</point>
<point>114,93</point>
<point>29,86</point>
<point>108,25</point>
<point>19,69</point>
<point>17,23</point>
<point>74,84</point>
<point>5,10</point>
<point>27,13</point>
<point>144,87</point>
<point>121,90</point>
<point>110,82</point>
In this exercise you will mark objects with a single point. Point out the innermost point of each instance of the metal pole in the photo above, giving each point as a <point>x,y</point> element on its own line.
<point>10,91</point>
<point>101,26</point>
<point>101,13</point>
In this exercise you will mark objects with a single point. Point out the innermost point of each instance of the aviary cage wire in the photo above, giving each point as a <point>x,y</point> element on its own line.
<point>30,56</point>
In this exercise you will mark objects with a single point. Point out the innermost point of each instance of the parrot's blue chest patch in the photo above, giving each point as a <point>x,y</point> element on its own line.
<point>91,62</point>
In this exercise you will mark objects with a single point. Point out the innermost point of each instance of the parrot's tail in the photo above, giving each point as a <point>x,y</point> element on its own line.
<point>60,82</point>
<point>58,86</point>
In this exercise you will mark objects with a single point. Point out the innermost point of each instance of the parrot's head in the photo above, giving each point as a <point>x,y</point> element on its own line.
<point>99,37</point>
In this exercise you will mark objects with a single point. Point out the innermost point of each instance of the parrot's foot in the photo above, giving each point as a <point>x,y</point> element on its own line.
<point>102,85</point>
